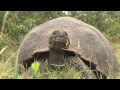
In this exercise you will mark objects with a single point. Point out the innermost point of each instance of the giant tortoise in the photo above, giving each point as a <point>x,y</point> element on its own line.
<point>67,39</point>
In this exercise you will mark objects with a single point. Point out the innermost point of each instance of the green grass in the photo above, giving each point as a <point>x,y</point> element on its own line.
<point>116,47</point>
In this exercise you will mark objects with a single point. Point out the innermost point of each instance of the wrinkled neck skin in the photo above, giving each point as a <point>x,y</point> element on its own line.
<point>56,57</point>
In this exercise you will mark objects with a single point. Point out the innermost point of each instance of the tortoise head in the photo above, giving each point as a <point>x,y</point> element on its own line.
<point>59,39</point>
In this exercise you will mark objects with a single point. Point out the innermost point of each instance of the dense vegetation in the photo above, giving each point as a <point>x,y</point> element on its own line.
<point>14,25</point>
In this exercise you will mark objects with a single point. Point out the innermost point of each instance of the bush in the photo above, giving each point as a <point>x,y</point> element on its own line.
<point>19,23</point>
<point>4,40</point>
<point>114,31</point>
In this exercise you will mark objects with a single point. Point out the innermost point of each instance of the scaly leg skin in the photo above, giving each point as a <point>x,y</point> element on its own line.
<point>79,65</point>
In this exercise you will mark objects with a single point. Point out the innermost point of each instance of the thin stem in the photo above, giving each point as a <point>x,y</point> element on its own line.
<point>4,22</point>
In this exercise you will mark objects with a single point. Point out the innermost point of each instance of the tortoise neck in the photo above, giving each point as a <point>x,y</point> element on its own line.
<point>56,57</point>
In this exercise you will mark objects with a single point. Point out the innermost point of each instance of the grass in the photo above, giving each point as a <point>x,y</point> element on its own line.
<point>116,47</point>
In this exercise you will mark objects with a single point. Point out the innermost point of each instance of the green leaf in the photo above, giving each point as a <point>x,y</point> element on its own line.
<point>35,66</point>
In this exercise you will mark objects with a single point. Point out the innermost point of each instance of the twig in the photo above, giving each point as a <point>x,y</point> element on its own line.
<point>4,21</point>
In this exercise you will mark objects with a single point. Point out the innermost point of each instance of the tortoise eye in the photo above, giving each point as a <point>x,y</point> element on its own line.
<point>65,33</point>
<point>55,33</point>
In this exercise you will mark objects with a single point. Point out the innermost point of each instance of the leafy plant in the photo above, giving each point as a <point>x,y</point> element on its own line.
<point>35,67</point>
<point>114,30</point>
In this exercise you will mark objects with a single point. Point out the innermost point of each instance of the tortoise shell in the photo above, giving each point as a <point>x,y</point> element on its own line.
<point>85,40</point>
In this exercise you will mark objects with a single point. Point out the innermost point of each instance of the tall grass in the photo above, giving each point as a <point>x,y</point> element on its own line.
<point>16,67</point>
<point>4,22</point>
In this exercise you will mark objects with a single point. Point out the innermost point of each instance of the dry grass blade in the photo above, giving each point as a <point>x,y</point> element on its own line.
<point>16,66</point>
<point>3,49</point>
<point>4,21</point>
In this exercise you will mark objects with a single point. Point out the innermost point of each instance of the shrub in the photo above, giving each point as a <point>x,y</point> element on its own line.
<point>114,31</point>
